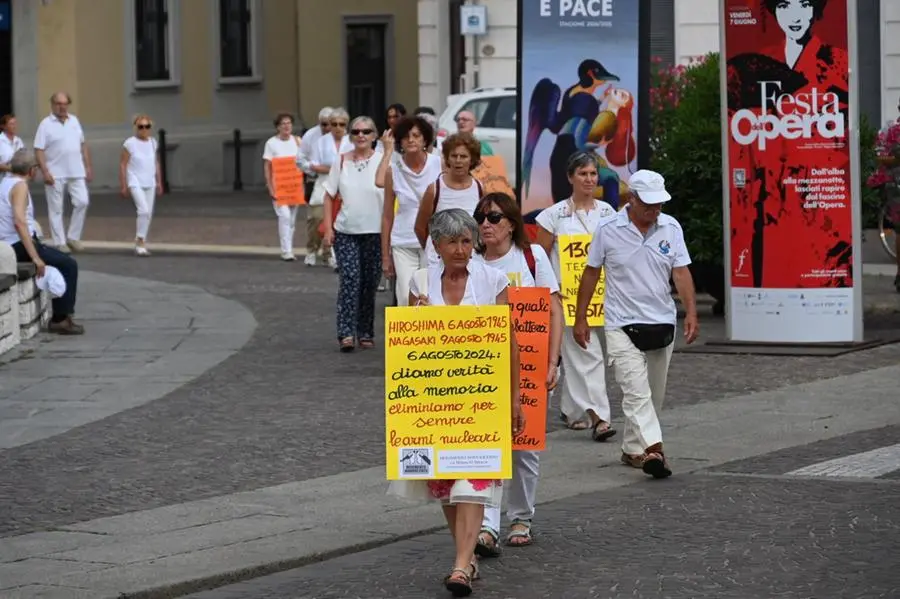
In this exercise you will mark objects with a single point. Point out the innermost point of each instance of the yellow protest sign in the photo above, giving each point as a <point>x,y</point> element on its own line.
<point>448,392</point>
<point>573,252</point>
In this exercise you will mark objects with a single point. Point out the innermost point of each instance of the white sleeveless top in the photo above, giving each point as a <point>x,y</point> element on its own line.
<point>409,187</point>
<point>8,233</point>
<point>466,199</point>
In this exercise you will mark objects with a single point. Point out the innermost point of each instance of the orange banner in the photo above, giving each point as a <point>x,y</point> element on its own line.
<point>531,319</point>
<point>288,181</point>
<point>492,174</point>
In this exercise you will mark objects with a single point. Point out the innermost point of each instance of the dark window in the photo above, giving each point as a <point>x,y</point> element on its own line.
<point>366,69</point>
<point>505,115</point>
<point>662,30</point>
<point>151,23</point>
<point>236,38</point>
<point>457,48</point>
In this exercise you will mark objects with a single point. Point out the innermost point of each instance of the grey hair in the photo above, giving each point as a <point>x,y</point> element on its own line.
<point>451,223</point>
<point>580,160</point>
<point>340,112</point>
<point>22,162</point>
<point>364,119</point>
<point>325,113</point>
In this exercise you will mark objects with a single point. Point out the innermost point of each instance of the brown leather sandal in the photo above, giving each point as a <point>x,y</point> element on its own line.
<point>655,465</point>
<point>459,581</point>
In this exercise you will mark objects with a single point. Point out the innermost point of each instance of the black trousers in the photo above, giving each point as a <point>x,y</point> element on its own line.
<point>63,307</point>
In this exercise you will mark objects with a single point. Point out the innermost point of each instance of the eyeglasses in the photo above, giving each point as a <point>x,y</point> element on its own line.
<point>361,132</point>
<point>492,217</point>
<point>325,124</point>
<point>145,126</point>
<point>334,124</point>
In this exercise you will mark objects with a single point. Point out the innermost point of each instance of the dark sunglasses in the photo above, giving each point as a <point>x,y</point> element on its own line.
<point>492,217</point>
<point>145,126</point>
<point>361,132</point>
<point>333,124</point>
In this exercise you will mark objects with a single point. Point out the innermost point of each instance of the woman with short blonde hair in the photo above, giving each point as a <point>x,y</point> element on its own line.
<point>140,178</point>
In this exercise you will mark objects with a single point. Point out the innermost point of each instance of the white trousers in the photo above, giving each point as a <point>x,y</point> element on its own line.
<point>144,198</point>
<point>642,377</point>
<point>78,195</point>
<point>287,217</point>
<point>406,262</point>
<point>522,491</point>
<point>584,377</point>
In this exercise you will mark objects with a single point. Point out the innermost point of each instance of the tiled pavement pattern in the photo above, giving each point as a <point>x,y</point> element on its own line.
<point>690,537</point>
<point>287,407</point>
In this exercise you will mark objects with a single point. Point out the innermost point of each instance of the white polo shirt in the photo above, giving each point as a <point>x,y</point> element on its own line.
<point>8,147</point>
<point>638,268</point>
<point>61,143</point>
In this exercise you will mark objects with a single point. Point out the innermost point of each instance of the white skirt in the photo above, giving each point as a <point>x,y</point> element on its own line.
<point>449,492</point>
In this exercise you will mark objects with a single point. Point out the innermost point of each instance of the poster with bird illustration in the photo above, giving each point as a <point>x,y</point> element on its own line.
<point>578,88</point>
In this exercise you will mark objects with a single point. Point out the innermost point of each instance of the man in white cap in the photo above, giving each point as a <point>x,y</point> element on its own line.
<point>641,249</point>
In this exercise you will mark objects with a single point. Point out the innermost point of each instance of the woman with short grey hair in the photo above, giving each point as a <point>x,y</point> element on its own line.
<point>354,231</point>
<point>458,280</point>
<point>329,147</point>
<point>19,229</point>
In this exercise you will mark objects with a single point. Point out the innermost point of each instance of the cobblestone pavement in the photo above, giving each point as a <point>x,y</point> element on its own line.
<point>690,537</point>
<point>287,407</point>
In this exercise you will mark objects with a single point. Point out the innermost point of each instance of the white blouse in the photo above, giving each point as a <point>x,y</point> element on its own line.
<point>515,266</point>
<point>482,287</point>
<point>362,201</point>
<point>409,187</point>
<point>559,219</point>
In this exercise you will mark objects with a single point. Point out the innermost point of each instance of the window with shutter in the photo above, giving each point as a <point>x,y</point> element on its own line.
<point>151,24</point>
<point>662,30</point>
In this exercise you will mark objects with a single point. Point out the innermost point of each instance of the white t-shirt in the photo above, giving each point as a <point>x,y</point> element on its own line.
<point>409,187</point>
<point>482,287</point>
<point>447,198</point>
<point>362,201</point>
<point>280,148</point>
<point>515,266</point>
<point>559,219</point>
<point>638,268</point>
<point>8,147</point>
<point>61,143</point>
<point>325,154</point>
<point>141,169</point>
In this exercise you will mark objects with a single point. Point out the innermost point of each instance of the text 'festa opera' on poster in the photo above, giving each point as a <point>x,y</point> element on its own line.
<point>791,198</point>
<point>448,392</point>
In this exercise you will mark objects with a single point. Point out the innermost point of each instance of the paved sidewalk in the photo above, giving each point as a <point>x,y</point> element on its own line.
<point>172,550</point>
<point>143,340</point>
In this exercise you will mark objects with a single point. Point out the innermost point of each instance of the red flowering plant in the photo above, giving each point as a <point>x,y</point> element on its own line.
<point>887,151</point>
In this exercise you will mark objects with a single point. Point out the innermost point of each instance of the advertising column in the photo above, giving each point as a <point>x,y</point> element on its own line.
<point>578,90</point>
<point>791,171</point>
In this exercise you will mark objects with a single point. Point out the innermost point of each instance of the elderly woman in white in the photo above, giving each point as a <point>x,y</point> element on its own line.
<point>408,180</point>
<point>355,233</point>
<point>459,280</point>
<point>329,147</point>
<point>583,383</point>
<point>10,142</point>
<point>284,144</point>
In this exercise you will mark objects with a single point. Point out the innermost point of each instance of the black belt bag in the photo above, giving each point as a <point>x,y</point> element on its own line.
<point>647,337</point>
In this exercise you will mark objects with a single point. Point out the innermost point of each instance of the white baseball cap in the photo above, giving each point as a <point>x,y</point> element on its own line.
<point>649,186</point>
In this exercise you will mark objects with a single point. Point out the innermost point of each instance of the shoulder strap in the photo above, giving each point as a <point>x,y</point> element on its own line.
<point>480,188</point>
<point>437,194</point>
<point>532,264</point>
<point>297,140</point>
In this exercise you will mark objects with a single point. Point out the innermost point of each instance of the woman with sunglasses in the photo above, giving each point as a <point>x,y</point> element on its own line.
<point>584,372</point>
<point>355,234</point>
<point>456,187</point>
<point>506,248</point>
<point>140,178</point>
<point>329,147</point>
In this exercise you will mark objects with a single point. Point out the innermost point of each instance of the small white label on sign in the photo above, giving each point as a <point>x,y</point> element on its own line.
<point>471,460</point>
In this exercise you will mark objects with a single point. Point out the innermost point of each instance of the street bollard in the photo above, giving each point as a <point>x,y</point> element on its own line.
<point>163,161</point>
<point>238,183</point>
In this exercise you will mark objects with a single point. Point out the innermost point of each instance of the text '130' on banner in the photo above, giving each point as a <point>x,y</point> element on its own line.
<point>573,253</point>
<point>448,395</point>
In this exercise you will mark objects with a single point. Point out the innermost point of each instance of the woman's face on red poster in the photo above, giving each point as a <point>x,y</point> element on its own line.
<point>794,17</point>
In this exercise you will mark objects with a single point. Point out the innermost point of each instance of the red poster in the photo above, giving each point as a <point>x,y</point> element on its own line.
<point>788,144</point>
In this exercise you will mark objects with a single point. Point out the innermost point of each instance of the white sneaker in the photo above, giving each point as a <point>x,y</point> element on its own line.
<point>310,260</point>
<point>140,250</point>
<point>288,256</point>
<point>332,261</point>
<point>75,245</point>
<point>63,248</point>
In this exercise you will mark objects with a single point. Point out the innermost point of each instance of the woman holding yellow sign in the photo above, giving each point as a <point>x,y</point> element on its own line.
<point>506,248</point>
<point>565,231</point>
<point>458,280</point>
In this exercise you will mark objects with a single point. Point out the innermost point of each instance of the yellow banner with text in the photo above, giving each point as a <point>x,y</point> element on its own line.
<point>573,252</point>
<point>448,392</point>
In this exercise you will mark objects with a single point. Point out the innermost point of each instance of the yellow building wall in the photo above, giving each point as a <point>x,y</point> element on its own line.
<point>321,53</point>
<point>279,55</point>
<point>56,54</point>
<point>197,77</point>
